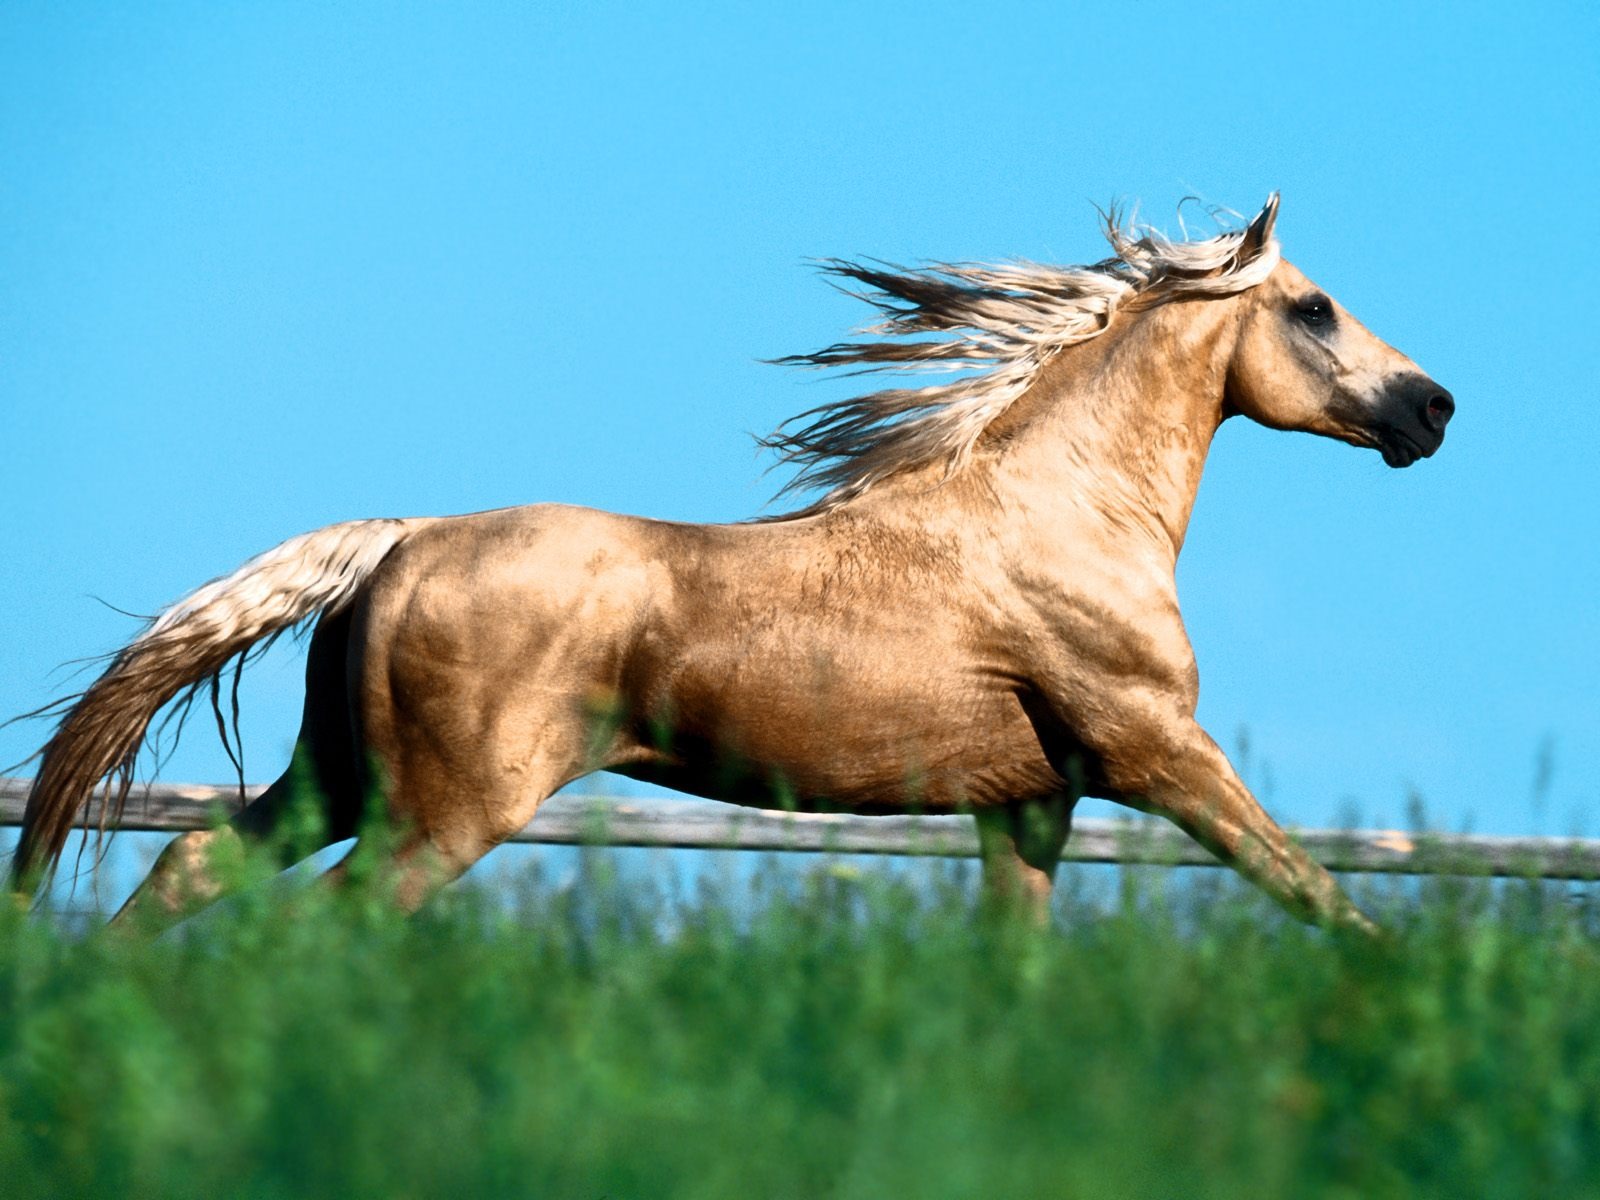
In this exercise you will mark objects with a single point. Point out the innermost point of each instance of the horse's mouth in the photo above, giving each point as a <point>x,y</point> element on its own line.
<point>1400,449</point>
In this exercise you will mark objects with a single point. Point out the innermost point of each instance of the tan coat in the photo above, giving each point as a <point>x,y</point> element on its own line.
<point>1004,639</point>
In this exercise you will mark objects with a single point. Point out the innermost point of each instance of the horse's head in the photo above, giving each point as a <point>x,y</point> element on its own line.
<point>1302,362</point>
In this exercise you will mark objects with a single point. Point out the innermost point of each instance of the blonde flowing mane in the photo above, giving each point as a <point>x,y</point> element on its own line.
<point>1005,321</point>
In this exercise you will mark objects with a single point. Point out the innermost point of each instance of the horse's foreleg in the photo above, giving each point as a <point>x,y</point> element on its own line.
<point>1020,846</point>
<point>1186,778</point>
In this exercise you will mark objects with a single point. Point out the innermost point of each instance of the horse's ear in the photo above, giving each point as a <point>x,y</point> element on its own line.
<point>1259,232</point>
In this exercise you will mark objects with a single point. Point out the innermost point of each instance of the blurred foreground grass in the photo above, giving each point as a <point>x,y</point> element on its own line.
<point>829,1035</point>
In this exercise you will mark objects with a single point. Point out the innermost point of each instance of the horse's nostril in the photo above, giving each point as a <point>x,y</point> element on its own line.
<point>1440,409</point>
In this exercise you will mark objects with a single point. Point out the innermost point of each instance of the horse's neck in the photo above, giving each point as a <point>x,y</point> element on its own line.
<point>1117,430</point>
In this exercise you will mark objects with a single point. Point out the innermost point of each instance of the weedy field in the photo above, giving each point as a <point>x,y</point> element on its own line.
<point>826,1034</point>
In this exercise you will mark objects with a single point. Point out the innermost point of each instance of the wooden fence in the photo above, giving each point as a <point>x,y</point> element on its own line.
<point>708,825</point>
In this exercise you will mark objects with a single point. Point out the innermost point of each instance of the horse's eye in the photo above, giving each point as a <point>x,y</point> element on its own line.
<point>1315,310</point>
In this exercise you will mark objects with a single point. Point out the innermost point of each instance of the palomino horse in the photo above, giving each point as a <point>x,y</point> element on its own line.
<point>979,615</point>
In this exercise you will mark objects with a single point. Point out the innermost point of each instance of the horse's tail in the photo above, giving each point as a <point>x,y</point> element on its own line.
<point>98,740</point>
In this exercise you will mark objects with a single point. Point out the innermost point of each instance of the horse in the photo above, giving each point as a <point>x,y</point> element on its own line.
<point>978,615</point>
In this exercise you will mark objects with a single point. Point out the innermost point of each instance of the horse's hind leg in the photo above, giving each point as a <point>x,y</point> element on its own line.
<point>191,873</point>
<point>312,805</point>
<point>443,820</point>
<point>486,677</point>
<point>1020,846</point>
<point>464,765</point>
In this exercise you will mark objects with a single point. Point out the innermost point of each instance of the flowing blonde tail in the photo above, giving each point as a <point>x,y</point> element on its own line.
<point>98,740</point>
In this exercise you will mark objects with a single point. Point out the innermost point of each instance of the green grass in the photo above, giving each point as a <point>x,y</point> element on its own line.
<point>828,1036</point>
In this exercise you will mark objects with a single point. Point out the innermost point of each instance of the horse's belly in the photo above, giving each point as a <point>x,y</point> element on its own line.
<point>855,746</point>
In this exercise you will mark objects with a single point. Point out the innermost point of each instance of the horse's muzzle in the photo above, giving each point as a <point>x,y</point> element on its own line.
<point>1411,419</point>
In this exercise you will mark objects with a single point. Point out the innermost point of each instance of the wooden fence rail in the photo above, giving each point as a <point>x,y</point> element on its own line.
<point>708,825</point>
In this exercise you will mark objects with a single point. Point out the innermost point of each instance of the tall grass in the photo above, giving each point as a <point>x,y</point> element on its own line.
<point>835,1035</point>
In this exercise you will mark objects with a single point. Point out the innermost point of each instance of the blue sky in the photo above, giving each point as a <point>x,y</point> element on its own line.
<point>267,267</point>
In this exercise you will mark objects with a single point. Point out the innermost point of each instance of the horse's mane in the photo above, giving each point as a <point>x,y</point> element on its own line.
<point>1009,318</point>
